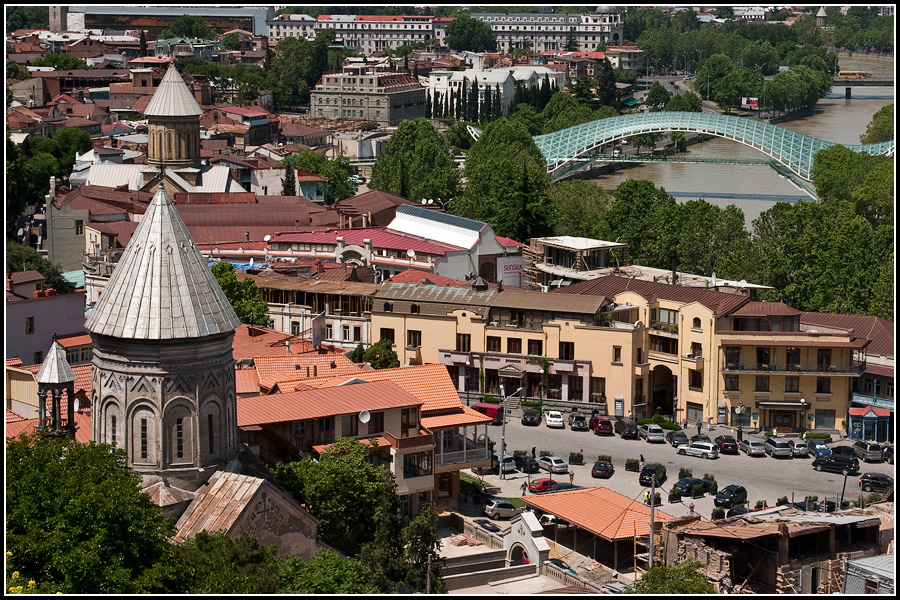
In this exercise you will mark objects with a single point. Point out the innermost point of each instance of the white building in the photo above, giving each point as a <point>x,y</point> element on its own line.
<point>548,31</point>
<point>507,79</point>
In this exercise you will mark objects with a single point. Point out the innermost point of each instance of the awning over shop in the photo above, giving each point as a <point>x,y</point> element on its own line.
<point>782,405</point>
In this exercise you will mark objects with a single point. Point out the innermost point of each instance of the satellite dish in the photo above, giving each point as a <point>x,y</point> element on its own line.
<point>411,253</point>
<point>267,238</point>
<point>364,416</point>
<point>76,405</point>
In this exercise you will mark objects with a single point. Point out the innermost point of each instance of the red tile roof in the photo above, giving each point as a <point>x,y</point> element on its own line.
<point>251,341</point>
<point>765,309</point>
<point>244,112</point>
<point>74,339</point>
<point>508,243</point>
<point>429,383</point>
<point>880,370</point>
<point>15,361</point>
<point>20,277</point>
<point>466,416</point>
<point>880,331</point>
<point>314,404</point>
<point>12,417</point>
<point>860,411</point>
<point>246,381</point>
<point>297,365</point>
<point>721,303</point>
<point>601,511</point>
<point>373,201</point>
<point>82,431</point>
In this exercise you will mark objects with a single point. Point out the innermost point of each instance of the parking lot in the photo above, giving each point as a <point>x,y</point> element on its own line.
<point>765,478</point>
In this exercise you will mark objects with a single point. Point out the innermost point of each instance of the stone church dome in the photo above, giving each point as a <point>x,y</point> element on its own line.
<point>172,98</point>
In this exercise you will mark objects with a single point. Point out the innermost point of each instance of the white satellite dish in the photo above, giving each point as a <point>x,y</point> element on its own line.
<point>76,405</point>
<point>364,416</point>
<point>411,253</point>
<point>267,238</point>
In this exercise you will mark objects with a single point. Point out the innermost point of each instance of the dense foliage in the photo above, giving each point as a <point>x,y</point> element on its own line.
<point>337,171</point>
<point>474,35</point>
<point>216,563</point>
<point>27,17</point>
<point>243,294</point>
<point>380,355</point>
<point>881,127</point>
<point>327,573</point>
<point>25,258</point>
<point>681,578</point>
<point>297,66</point>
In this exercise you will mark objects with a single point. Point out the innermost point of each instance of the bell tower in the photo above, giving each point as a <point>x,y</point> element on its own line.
<point>173,124</point>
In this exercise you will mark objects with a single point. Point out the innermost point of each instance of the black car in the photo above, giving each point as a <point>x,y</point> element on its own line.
<point>875,481</point>
<point>731,495</point>
<point>531,417</point>
<point>526,464</point>
<point>603,469</point>
<point>649,470</point>
<point>686,485</point>
<point>843,450</point>
<point>888,455</point>
<point>739,510</point>
<point>626,428</point>
<point>837,463</point>
<point>676,438</point>
<point>726,444</point>
<point>487,525</point>
<point>700,437</point>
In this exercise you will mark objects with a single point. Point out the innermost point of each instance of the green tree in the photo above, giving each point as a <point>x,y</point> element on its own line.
<point>681,578</point>
<point>724,12</point>
<point>644,217</point>
<point>235,41</point>
<point>358,354</point>
<point>571,44</point>
<point>381,355</point>
<point>143,44</point>
<point>289,181</point>
<point>606,83</point>
<point>712,240</point>
<point>507,182</point>
<point>466,33</point>
<point>458,137</point>
<point>679,139</point>
<point>711,71</point>
<point>216,563</point>
<point>71,141</point>
<point>27,17</point>
<point>686,102</point>
<point>76,517</point>
<point>578,206</point>
<point>421,547</point>
<point>327,573</point>
<point>531,119</point>
<point>188,26</point>
<point>16,71</point>
<point>418,157</point>
<point>25,258</point>
<point>880,128</point>
<point>243,295</point>
<point>337,171</point>
<point>60,61</point>
<point>657,95</point>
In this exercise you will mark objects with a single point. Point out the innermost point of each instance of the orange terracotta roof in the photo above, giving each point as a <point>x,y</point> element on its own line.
<point>82,379</point>
<point>467,416</point>
<point>246,381</point>
<point>76,339</point>
<point>430,383</point>
<point>82,431</point>
<point>314,404</point>
<point>15,361</point>
<point>12,417</point>
<point>601,511</point>
<point>251,341</point>
<point>269,365</point>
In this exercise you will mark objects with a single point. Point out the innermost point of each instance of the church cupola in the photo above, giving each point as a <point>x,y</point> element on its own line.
<point>173,124</point>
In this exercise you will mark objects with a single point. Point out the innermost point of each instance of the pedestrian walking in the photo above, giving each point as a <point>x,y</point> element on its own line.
<point>524,487</point>
<point>699,427</point>
<point>684,423</point>
<point>646,496</point>
<point>803,437</point>
<point>642,459</point>
<point>532,452</point>
<point>571,477</point>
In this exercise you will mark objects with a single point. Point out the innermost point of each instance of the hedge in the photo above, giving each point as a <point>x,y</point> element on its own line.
<point>661,421</point>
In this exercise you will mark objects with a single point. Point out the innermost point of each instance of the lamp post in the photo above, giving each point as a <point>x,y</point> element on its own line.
<point>541,386</point>
<point>802,414</point>
<point>466,380</point>
<point>740,411</point>
<point>503,429</point>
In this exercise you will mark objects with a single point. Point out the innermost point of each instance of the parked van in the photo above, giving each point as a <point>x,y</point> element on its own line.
<point>868,451</point>
<point>494,411</point>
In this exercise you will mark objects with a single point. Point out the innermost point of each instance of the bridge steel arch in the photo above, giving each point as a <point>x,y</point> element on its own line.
<point>793,150</point>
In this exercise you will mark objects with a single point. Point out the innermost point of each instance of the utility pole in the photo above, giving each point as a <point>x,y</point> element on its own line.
<point>652,511</point>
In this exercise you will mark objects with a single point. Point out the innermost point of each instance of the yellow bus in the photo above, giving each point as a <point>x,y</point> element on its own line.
<point>852,75</point>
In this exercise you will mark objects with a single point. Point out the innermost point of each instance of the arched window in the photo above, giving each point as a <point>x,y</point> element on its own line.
<point>696,324</point>
<point>144,436</point>
<point>388,307</point>
<point>414,309</point>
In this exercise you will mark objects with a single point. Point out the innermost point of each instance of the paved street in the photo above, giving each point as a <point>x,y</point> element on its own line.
<point>765,478</point>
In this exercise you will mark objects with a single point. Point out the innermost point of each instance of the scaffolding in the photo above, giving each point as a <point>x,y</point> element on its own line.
<point>642,549</point>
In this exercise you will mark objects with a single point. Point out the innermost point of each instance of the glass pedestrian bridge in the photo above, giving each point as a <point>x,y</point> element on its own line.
<point>793,150</point>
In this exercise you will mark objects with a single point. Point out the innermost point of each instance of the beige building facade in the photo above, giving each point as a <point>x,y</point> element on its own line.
<point>358,93</point>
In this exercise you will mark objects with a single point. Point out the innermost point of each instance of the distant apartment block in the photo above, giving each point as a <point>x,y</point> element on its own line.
<point>358,93</point>
<point>549,31</point>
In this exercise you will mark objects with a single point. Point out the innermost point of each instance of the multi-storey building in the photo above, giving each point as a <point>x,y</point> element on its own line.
<point>360,93</point>
<point>549,31</point>
<point>285,26</point>
<point>502,82</point>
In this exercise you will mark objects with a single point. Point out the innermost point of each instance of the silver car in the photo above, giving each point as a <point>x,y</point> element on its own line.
<point>799,448</point>
<point>497,508</point>
<point>652,433</point>
<point>553,464</point>
<point>776,448</point>
<point>752,447</point>
<point>701,449</point>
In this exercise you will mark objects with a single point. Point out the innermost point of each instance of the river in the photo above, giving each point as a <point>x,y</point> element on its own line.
<point>756,188</point>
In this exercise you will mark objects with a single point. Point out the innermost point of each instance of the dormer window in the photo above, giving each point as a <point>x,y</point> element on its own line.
<point>388,307</point>
<point>414,309</point>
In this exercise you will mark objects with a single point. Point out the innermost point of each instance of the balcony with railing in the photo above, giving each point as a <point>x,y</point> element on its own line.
<point>420,439</point>
<point>853,369</point>
<point>460,451</point>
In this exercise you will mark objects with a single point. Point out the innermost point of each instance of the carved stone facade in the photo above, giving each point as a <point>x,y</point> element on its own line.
<point>169,404</point>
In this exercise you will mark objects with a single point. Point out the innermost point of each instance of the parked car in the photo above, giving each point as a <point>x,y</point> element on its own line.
<point>526,464</point>
<point>875,481</point>
<point>676,438</point>
<point>731,495</point>
<point>701,449</point>
<point>775,448</point>
<point>487,525</point>
<point>553,464</point>
<point>626,428</point>
<point>531,417</point>
<point>649,470</point>
<point>888,455</point>
<point>726,444</point>
<point>738,510</point>
<point>564,487</point>
<point>818,448</point>
<point>509,463</point>
<point>844,450</point>
<point>686,485</point>
<point>603,469</point>
<point>494,411</point>
<point>868,451</point>
<point>837,463</point>
<point>652,433</point>
<point>562,565</point>
<point>601,426</point>
<point>539,486</point>
<point>799,448</point>
<point>615,587</point>
<point>617,151</point>
<point>497,508</point>
<point>577,422</point>
<point>752,447</point>
<point>700,437</point>
<point>554,418</point>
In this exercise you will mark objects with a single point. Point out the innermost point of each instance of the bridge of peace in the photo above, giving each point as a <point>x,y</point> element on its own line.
<point>571,147</point>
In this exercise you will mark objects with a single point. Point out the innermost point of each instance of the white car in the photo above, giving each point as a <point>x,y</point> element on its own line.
<point>701,449</point>
<point>553,464</point>
<point>554,418</point>
<point>652,433</point>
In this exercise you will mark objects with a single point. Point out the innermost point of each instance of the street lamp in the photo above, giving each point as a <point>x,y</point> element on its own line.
<point>541,386</point>
<point>739,410</point>
<point>503,429</point>
<point>466,380</point>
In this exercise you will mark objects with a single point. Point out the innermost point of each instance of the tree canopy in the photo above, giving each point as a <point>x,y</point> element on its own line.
<point>188,26</point>
<point>881,127</point>
<point>327,573</point>
<point>381,355</point>
<point>27,17</point>
<point>76,517</point>
<point>578,206</point>
<point>216,563</point>
<point>60,61</point>
<point>26,258</point>
<point>466,33</point>
<point>416,164</point>
<point>337,171</point>
<point>682,578</point>
<point>243,295</point>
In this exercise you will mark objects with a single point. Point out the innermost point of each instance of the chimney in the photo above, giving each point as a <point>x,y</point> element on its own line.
<point>297,225</point>
<point>499,286</point>
<point>247,236</point>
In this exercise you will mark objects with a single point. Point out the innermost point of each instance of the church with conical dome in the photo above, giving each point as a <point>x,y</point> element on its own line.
<point>163,370</point>
<point>173,148</point>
